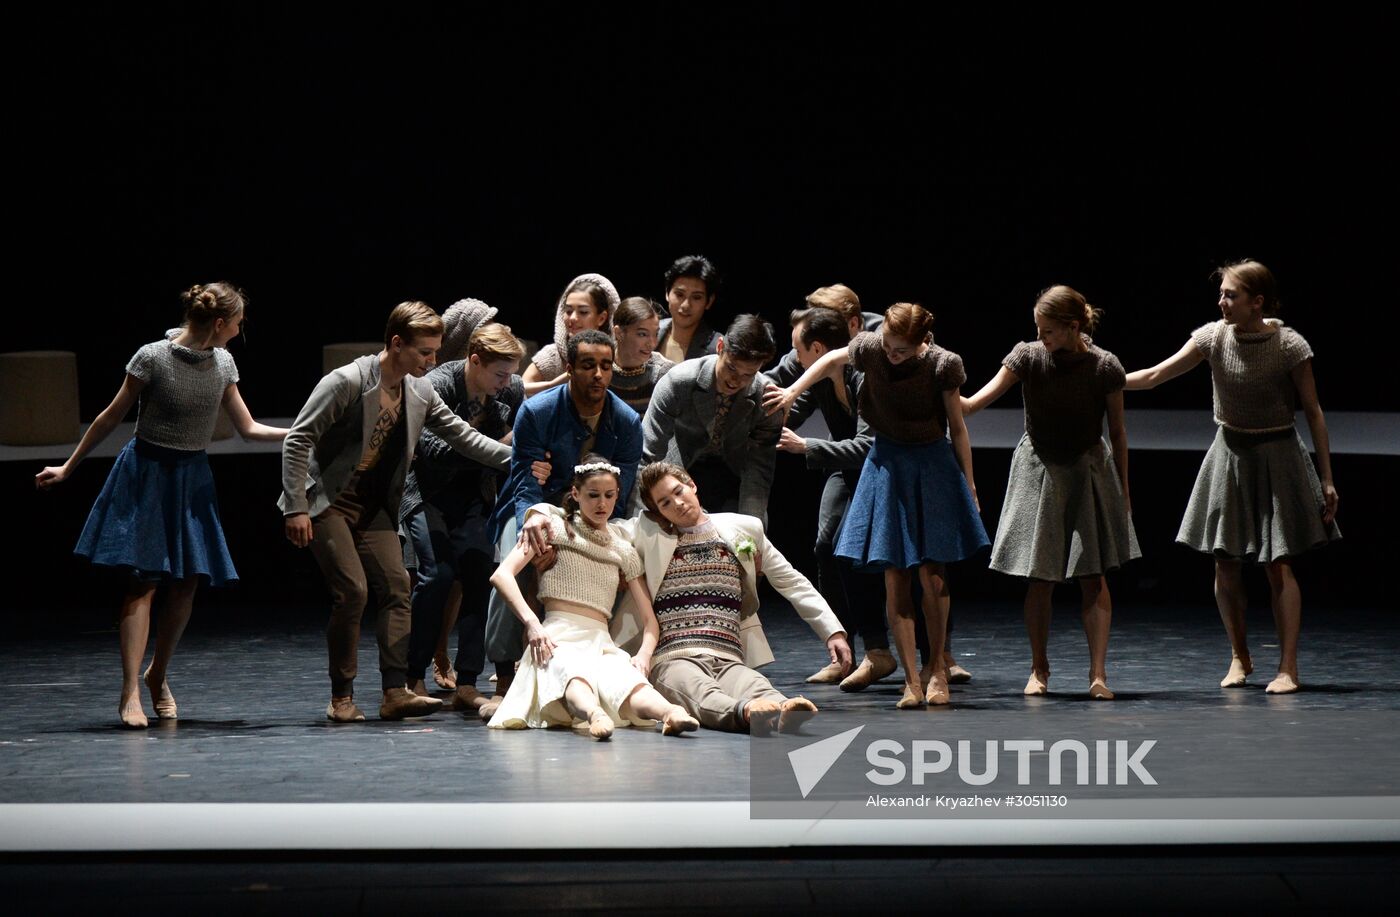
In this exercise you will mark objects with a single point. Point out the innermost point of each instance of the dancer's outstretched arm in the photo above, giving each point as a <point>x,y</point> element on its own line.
<point>243,421</point>
<point>1184,359</point>
<point>101,427</point>
<point>990,392</point>
<point>827,366</point>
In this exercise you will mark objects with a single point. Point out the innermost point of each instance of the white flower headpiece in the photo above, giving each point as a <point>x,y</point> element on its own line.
<point>594,467</point>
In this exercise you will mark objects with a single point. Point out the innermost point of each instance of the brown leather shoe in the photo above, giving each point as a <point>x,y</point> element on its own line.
<point>829,675</point>
<point>875,666</point>
<point>343,710</point>
<point>401,702</point>
<point>418,687</point>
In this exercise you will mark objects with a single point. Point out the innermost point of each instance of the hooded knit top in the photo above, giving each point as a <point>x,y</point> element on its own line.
<point>184,388</point>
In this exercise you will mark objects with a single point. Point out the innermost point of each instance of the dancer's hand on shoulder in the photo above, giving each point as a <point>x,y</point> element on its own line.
<point>51,475</point>
<point>535,534</point>
<point>298,529</point>
<point>543,560</point>
<point>776,398</point>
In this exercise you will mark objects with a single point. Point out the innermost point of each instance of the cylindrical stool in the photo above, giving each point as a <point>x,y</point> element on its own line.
<point>334,356</point>
<point>39,398</point>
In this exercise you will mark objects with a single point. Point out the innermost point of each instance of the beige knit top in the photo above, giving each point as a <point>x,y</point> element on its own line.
<point>586,564</point>
<point>1251,374</point>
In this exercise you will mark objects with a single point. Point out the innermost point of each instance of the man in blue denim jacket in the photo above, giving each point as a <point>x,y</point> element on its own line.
<point>558,427</point>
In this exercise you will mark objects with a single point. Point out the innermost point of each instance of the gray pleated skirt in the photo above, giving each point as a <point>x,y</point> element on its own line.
<point>1063,519</point>
<point>1257,498</point>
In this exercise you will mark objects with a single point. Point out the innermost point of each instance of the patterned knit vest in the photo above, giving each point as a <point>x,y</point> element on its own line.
<point>699,601</point>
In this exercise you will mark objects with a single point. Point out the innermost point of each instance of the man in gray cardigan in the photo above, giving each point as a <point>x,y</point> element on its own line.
<point>707,416</point>
<point>343,467</point>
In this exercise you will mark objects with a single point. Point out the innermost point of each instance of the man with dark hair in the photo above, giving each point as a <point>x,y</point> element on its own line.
<point>554,428</point>
<point>692,283</point>
<point>707,416</point>
<point>858,598</point>
<point>343,468</point>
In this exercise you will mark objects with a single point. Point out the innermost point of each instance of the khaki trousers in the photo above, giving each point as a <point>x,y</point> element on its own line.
<point>711,688</point>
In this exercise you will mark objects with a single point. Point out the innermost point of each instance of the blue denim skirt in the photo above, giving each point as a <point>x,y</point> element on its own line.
<point>158,517</point>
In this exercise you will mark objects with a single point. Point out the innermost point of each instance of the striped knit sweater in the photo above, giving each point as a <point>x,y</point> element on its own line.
<point>699,601</point>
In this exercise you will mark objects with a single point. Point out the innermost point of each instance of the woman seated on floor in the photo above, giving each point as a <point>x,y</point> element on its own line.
<point>572,673</point>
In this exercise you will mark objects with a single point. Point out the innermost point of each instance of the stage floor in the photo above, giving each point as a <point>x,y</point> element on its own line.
<point>253,764</point>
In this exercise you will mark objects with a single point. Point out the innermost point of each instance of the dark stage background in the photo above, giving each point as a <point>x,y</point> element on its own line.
<point>335,160</point>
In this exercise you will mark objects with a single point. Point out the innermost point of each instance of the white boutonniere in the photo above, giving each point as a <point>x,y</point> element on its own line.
<point>744,547</point>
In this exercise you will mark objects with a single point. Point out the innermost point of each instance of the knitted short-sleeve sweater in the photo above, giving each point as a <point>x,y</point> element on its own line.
<point>184,388</point>
<point>586,565</point>
<point>905,402</point>
<point>1251,374</point>
<point>1065,394</point>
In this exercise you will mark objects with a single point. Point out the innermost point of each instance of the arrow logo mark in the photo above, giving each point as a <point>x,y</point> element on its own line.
<point>811,762</point>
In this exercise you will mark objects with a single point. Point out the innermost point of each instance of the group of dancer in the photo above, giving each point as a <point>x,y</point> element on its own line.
<point>595,525</point>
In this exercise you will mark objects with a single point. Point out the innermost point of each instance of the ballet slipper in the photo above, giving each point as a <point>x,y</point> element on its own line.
<point>828,675</point>
<point>762,716</point>
<point>678,721</point>
<point>913,697</point>
<point>957,675</point>
<point>488,709</point>
<point>1037,685</point>
<point>468,698</point>
<point>343,710</point>
<point>132,716</point>
<point>1282,684</point>
<point>443,674</point>
<point>161,697</point>
<point>1239,671</point>
<point>600,725</point>
<point>876,665</point>
<point>1098,690</point>
<point>795,712</point>
<point>937,693</point>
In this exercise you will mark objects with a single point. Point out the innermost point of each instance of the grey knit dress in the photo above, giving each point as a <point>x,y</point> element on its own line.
<point>1257,496</point>
<point>1064,514</point>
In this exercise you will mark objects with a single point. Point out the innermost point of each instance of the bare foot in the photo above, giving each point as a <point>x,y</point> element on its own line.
<point>1037,684</point>
<point>133,717</point>
<point>600,725</point>
<point>468,698</point>
<point>1098,690</point>
<point>937,692</point>
<point>795,712</point>
<point>678,721</point>
<point>1239,671</point>
<point>913,697</point>
<point>829,675</point>
<point>1282,684</point>
<point>161,697</point>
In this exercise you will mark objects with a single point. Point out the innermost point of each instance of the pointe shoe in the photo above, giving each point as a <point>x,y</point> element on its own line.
<point>957,675</point>
<point>343,710</point>
<point>763,716</point>
<point>678,721</point>
<point>488,709</point>
<point>600,725</point>
<point>876,665</point>
<point>913,697</point>
<point>828,675</point>
<point>936,695</point>
<point>1098,690</point>
<point>417,686</point>
<point>1238,674</point>
<point>1036,686</point>
<point>467,699</point>
<point>161,697</point>
<point>1282,684</point>
<point>444,675</point>
<point>795,712</point>
<point>131,714</point>
<point>400,702</point>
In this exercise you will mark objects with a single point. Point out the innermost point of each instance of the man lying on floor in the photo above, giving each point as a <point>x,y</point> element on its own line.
<point>702,571</point>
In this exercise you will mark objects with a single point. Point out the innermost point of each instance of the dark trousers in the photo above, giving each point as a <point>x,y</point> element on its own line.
<point>857,597</point>
<point>450,547</point>
<point>356,545</point>
<point>717,485</point>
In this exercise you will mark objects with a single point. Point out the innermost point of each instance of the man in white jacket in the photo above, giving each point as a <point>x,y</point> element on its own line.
<point>702,571</point>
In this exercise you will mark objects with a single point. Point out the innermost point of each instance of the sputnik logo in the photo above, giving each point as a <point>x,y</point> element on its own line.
<point>811,762</point>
